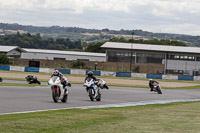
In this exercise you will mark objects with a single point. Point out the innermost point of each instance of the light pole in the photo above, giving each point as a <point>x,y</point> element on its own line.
<point>131,53</point>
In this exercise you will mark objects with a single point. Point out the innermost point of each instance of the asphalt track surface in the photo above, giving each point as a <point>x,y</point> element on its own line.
<point>22,99</point>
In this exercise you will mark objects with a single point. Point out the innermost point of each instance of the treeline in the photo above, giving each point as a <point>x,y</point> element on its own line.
<point>96,46</point>
<point>154,41</point>
<point>76,33</point>
<point>36,42</point>
<point>59,29</point>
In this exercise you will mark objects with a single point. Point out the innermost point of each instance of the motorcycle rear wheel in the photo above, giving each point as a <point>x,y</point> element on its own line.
<point>39,82</point>
<point>159,90</point>
<point>64,100</point>
<point>99,96</point>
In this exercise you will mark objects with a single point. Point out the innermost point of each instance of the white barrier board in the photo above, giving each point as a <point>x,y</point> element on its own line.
<point>78,71</point>
<point>17,68</point>
<point>106,73</point>
<point>139,75</point>
<point>170,77</point>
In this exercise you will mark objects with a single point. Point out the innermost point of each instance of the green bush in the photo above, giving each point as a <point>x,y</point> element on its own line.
<point>137,68</point>
<point>4,59</point>
<point>78,64</point>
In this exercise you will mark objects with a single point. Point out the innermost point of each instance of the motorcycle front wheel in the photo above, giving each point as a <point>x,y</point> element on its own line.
<point>91,94</point>
<point>55,95</point>
<point>1,79</point>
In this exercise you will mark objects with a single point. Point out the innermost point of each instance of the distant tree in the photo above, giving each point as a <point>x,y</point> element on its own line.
<point>4,59</point>
<point>95,47</point>
<point>36,41</point>
<point>105,30</point>
<point>154,41</point>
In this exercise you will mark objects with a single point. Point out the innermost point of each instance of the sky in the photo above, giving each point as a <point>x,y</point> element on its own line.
<point>158,16</point>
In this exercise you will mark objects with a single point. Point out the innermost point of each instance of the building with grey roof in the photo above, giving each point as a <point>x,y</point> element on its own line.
<point>11,51</point>
<point>62,55</point>
<point>24,53</point>
<point>176,59</point>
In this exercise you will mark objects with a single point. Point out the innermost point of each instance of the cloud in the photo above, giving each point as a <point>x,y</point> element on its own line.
<point>154,15</point>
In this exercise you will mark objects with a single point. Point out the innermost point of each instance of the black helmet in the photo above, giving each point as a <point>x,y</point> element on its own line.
<point>90,73</point>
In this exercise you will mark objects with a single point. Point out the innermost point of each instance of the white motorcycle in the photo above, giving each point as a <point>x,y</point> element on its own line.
<point>92,89</point>
<point>58,92</point>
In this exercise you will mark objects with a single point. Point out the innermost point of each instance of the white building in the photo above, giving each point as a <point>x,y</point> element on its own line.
<point>62,55</point>
<point>24,53</point>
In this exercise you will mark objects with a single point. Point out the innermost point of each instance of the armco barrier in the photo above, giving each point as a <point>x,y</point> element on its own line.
<point>64,71</point>
<point>31,69</point>
<point>154,76</point>
<point>7,68</point>
<point>97,73</point>
<point>182,77</point>
<point>100,73</point>
<point>78,71</point>
<point>110,74</point>
<point>17,68</point>
<point>123,74</point>
<point>138,75</point>
<point>170,77</point>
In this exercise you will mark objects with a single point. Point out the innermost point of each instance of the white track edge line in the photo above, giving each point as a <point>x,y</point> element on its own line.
<point>110,105</point>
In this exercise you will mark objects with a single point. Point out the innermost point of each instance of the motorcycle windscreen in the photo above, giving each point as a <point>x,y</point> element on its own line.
<point>89,79</point>
<point>54,78</point>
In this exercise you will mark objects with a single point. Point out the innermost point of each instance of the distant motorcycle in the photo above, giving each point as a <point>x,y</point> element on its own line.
<point>157,88</point>
<point>32,79</point>
<point>1,79</point>
<point>58,92</point>
<point>92,89</point>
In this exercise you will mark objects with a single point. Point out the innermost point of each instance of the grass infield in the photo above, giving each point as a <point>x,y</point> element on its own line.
<point>158,118</point>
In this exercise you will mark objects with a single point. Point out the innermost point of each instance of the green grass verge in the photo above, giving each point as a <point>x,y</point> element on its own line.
<point>120,85</point>
<point>117,85</point>
<point>104,77</point>
<point>160,118</point>
<point>19,84</point>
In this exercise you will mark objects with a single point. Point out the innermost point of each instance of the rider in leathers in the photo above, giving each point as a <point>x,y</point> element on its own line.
<point>151,82</point>
<point>64,81</point>
<point>90,75</point>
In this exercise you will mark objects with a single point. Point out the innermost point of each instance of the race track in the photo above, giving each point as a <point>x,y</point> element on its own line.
<point>20,99</point>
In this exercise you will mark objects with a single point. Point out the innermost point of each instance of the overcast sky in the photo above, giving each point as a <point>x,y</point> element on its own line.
<point>166,16</point>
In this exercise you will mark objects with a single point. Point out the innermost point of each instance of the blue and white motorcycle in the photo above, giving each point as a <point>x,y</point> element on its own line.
<point>92,89</point>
